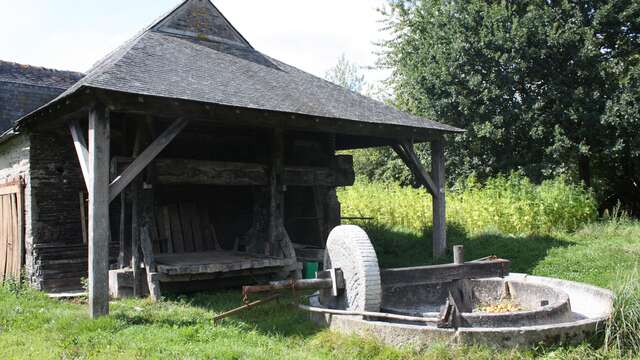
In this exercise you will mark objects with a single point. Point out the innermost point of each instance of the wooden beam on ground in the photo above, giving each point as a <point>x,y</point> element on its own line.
<point>150,153</point>
<point>439,199</point>
<point>98,155</point>
<point>80,144</point>
<point>445,273</point>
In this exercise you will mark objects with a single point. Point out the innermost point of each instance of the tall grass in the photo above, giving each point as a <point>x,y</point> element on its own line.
<point>508,204</point>
<point>622,335</point>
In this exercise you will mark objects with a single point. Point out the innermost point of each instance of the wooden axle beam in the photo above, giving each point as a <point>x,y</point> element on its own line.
<point>444,273</point>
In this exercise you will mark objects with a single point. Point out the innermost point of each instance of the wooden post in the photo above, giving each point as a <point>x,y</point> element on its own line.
<point>439,201</point>
<point>136,189</point>
<point>99,139</point>
<point>458,254</point>
<point>278,235</point>
<point>135,236</point>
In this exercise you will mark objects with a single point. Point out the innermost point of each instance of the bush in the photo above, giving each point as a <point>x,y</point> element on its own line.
<point>508,204</point>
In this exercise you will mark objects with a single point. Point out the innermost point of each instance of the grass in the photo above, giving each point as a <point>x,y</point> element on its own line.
<point>33,326</point>
<point>179,327</point>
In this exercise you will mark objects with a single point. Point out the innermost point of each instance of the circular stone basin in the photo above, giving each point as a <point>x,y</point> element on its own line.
<point>549,311</point>
<point>536,304</point>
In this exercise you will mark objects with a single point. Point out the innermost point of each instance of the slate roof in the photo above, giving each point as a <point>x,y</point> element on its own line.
<point>24,88</point>
<point>194,53</point>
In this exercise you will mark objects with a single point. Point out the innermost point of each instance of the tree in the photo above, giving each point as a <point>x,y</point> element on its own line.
<point>535,83</point>
<point>376,163</point>
<point>346,74</point>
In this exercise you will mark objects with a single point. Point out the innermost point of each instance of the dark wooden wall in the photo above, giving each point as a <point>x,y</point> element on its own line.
<point>59,254</point>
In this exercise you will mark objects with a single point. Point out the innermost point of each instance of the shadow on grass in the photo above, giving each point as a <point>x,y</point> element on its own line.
<point>400,248</point>
<point>276,318</point>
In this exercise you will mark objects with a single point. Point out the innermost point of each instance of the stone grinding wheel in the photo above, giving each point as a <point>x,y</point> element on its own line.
<point>349,249</point>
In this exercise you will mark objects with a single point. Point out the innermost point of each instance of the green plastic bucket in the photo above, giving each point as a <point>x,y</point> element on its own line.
<point>309,269</point>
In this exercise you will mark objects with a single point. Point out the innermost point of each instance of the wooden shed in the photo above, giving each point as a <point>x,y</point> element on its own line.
<point>201,159</point>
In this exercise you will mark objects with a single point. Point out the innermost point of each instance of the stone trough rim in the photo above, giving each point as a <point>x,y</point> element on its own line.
<point>418,335</point>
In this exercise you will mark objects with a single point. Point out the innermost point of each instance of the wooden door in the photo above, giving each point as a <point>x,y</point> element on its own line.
<point>11,228</point>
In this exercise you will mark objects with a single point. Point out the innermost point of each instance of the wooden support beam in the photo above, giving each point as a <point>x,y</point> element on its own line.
<point>202,172</point>
<point>80,144</point>
<point>435,185</point>
<point>444,273</point>
<point>98,155</point>
<point>407,153</point>
<point>439,199</point>
<point>136,189</point>
<point>277,234</point>
<point>149,261</point>
<point>150,153</point>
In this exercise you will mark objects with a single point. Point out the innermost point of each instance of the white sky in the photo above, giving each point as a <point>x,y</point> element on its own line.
<point>74,34</point>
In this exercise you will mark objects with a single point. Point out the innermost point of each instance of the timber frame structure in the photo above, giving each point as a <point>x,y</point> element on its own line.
<point>205,159</point>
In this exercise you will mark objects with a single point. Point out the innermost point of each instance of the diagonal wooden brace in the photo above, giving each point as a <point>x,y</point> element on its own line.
<point>408,155</point>
<point>146,157</point>
<point>80,143</point>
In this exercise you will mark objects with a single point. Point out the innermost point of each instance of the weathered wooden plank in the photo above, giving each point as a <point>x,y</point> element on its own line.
<point>214,237</point>
<point>439,199</point>
<point>15,256</point>
<point>213,262</point>
<point>149,263</point>
<point>135,234</point>
<point>199,172</point>
<point>318,202</point>
<point>82,151</point>
<point>83,217</point>
<point>10,189</point>
<point>277,233</point>
<point>122,261</point>
<point>150,153</point>
<point>196,227</point>
<point>205,227</point>
<point>444,273</point>
<point>6,224</point>
<point>165,225</point>
<point>176,229</point>
<point>20,225</point>
<point>183,171</point>
<point>187,231</point>
<point>3,241</point>
<point>99,139</point>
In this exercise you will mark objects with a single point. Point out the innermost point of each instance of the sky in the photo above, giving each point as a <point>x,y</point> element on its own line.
<point>308,34</point>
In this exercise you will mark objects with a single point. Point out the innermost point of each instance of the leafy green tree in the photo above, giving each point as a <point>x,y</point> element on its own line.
<point>377,163</point>
<point>346,74</point>
<point>542,86</point>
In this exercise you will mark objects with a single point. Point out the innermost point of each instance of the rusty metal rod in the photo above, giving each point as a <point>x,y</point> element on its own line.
<point>245,307</point>
<point>313,284</point>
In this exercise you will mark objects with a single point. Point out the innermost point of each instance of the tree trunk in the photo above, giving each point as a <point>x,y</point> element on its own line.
<point>584,169</point>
